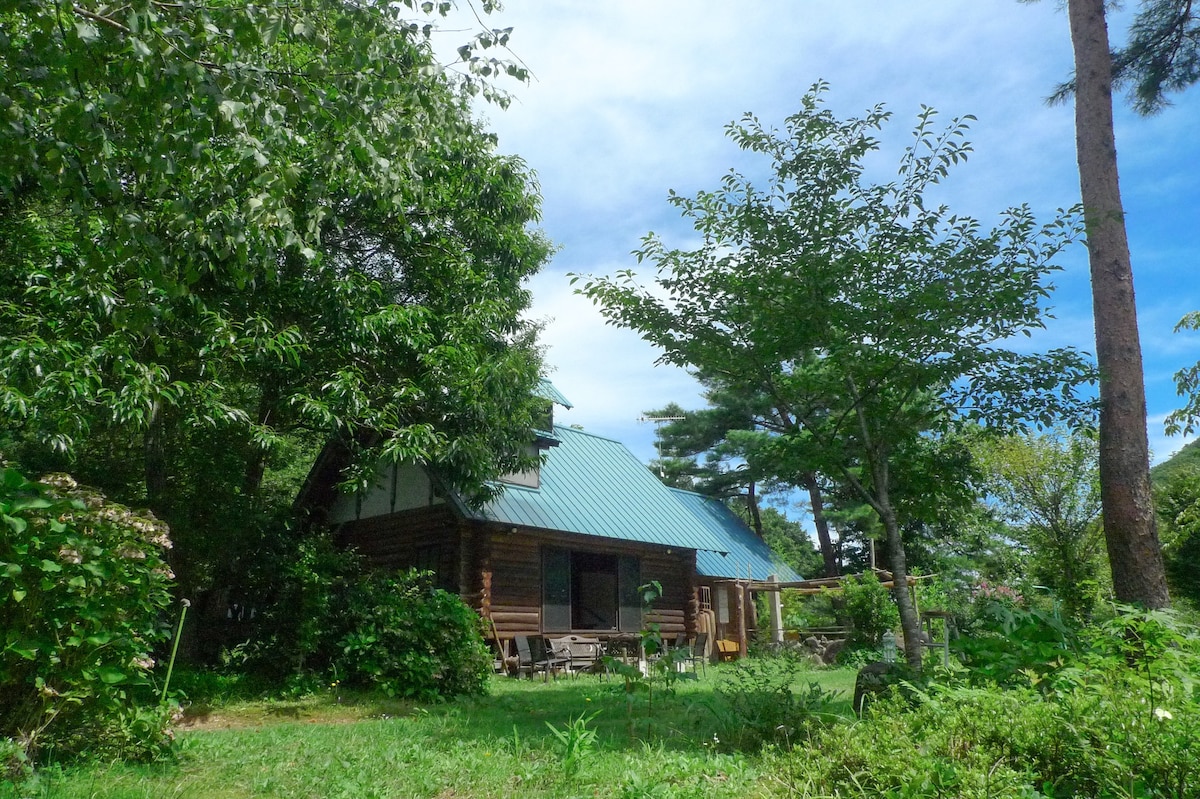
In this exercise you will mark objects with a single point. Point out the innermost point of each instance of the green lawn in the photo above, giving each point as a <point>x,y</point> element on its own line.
<point>495,746</point>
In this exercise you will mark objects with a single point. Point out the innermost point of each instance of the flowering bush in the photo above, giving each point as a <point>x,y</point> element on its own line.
<point>83,587</point>
<point>1006,641</point>
<point>987,592</point>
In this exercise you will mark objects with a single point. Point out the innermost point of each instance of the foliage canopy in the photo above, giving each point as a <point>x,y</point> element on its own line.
<point>230,233</point>
<point>869,318</point>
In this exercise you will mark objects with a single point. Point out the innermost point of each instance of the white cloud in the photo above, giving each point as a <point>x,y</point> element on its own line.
<point>630,99</point>
<point>607,373</point>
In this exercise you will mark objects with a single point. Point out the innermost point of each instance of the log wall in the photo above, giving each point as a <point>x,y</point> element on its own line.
<point>398,541</point>
<point>499,572</point>
<point>515,560</point>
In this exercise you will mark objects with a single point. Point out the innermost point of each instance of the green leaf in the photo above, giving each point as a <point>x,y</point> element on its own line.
<point>111,675</point>
<point>25,649</point>
<point>18,594</point>
<point>86,31</point>
<point>29,503</point>
<point>15,523</point>
<point>230,109</point>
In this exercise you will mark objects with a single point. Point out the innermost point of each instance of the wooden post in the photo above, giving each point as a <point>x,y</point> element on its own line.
<point>484,552</point>
<point>776,606</point>
<point>691,616</point>
<point>740,613</point>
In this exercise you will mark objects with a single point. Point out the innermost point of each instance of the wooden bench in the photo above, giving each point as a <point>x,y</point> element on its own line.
<point>727,650</point>
<point>583,653</point>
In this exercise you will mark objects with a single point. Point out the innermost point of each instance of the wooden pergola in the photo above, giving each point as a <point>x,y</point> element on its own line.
<point>822,584</point>
<point>812,587</point>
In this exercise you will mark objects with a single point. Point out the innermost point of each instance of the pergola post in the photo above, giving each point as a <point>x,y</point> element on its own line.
<point>775,604</point>
<point>742,616</point>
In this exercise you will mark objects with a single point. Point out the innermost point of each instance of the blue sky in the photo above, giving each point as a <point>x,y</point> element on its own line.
<point>629,100</point>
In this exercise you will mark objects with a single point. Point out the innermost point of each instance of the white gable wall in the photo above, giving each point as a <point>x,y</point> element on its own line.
<point>396,488</point>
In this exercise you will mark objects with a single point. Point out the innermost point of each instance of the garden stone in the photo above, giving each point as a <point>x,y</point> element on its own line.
<point>873,678</point>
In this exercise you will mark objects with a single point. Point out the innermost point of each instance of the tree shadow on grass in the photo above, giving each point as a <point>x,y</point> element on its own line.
<point>524,708</point>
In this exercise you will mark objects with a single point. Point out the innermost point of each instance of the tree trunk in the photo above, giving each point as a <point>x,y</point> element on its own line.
<point>1129,525</point>
<point>752,506</point>
<point>155,464</point>
<point>880,499</point>
<point>910,622</point>
<point>828,554</point>
<point>256,460</point>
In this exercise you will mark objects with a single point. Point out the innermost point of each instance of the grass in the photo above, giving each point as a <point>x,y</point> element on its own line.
<point>498,745</point>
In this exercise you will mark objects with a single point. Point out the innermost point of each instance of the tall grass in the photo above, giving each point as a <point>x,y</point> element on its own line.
<point>501,745</point>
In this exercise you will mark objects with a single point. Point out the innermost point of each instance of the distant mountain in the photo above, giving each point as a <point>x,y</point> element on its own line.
<point>1185,460</point>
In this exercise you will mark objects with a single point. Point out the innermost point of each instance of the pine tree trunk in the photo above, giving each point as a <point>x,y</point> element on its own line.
<point>752,505</point>
<point>828,553</point>
<point>1129,525</point>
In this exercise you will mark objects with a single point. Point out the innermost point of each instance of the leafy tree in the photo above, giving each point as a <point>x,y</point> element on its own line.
<point>1161,56</point>
<point>1187,383</point>
<point>870,318</point>
<point>869,609</point>
<point>229,232</point>
<point>1177,502</point>
<point>964,549</point>
<point>1048,487</point>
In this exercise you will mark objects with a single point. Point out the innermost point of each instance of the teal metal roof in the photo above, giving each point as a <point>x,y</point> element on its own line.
<point>547,390</point>
<point>595,486</point>
<point>746,555</point>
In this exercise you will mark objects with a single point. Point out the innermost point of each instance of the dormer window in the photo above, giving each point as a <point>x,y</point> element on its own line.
<point>545,421</point>
<point>530,478</point>
<point>543,436</point>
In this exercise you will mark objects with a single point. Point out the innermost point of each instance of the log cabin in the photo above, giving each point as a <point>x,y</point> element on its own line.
<point>564,548</point>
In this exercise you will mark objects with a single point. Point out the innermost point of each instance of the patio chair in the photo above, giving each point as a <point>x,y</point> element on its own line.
<point>619,649</point>
<point>697,653</point>
<point>533,657</point>
<point>668,647</point>
<point>552,662</point>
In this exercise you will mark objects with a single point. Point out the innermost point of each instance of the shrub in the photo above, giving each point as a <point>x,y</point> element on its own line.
<point>304,588</point>
<point>83,589</point>
<point>993,741</point>
<point>1008,643</point>
<point>327,619</point>
<point>411,640</point>
<point>1112,710</point>
<point>940,748</point>
<point>756,704</point>
<point>869,608</point>
<point>14,765</point>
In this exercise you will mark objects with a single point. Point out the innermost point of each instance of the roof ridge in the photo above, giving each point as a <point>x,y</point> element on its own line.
<point>691,492</point>
<point>581,431</point>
